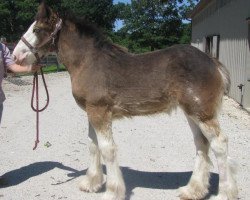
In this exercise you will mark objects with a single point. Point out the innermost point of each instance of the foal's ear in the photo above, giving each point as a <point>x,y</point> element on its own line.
<point>44,12</point>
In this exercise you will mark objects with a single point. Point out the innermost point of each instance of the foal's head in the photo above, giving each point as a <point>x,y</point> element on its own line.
<point>37,41</point>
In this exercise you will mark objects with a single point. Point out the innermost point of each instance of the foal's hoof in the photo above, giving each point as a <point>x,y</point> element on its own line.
<point>115,191</point>
<point>91,184</point>
<point>194,193</point>
<point>225,196</point>
<point>220,197</point>
<point>112,196</point>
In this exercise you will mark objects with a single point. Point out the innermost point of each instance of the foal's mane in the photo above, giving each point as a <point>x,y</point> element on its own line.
<point>87,28</point>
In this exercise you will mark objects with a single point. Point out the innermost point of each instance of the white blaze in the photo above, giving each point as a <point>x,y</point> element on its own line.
<point>22,53</point>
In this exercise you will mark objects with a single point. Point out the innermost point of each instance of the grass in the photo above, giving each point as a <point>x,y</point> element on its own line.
<point>53,68</point>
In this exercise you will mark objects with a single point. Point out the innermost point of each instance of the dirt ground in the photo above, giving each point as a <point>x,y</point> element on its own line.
<point>156,154</point>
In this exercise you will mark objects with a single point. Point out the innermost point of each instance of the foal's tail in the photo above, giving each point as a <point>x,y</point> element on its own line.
<point>225,76</point>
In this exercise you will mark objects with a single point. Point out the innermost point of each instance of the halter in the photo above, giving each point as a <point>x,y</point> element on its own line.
<point>52,37</point>
<point>35,50</point>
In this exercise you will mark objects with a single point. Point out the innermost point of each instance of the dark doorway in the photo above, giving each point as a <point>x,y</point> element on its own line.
<point>212,45</point>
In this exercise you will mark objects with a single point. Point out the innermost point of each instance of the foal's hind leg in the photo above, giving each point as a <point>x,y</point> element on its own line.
<point>101,119</point>
<point>93,180</point>
<point>197,188</point>
<point>219,142</point>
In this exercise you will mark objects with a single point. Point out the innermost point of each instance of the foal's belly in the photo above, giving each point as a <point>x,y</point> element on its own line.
<point>140,108</point>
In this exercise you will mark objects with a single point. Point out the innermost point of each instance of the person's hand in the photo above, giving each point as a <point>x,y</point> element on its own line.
<point>34,68</point>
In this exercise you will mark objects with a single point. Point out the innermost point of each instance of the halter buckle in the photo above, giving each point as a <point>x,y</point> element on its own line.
<point>34,50</point>
<point>53,40</point>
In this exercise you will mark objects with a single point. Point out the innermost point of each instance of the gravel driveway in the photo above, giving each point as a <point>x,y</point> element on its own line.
<point>156,154</point>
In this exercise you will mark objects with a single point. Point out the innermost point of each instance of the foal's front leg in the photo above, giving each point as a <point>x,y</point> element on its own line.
<point>93,180</point>
<point>101,119</point>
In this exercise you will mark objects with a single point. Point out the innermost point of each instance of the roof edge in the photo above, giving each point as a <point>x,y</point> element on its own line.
<point>199,7</point>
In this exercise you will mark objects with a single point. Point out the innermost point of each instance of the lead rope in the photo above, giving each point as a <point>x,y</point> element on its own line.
<point>36,109</point>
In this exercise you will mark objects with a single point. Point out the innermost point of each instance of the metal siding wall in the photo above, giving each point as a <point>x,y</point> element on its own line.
<point>246,102</point>
<point>230,23</point>
<point>233,56</point>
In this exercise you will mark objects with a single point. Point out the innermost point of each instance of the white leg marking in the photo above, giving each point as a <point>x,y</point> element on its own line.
<point>218,141</point>
<point>93,180</point>
<point>197,187</point>
<point>115,187</point>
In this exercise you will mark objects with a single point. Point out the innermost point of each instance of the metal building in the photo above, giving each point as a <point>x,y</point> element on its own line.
<point>222,29</point>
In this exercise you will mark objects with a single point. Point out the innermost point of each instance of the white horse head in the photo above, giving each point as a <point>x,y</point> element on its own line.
<point>36,42</point>
<point>22,53</point>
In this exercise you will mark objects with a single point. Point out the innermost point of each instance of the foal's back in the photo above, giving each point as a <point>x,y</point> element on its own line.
<point>158,81</point>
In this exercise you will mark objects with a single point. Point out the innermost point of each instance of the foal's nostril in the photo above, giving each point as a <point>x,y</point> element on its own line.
<point>14,58</point>
<point>18,58</point>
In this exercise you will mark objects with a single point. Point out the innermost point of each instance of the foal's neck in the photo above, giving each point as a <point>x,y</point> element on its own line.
<point>74,50</point>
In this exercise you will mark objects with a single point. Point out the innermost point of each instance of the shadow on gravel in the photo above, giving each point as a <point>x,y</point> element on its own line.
<point>155,180</point>
<point>22,174</point>
<point>160,180</point>
<point>133,178</point>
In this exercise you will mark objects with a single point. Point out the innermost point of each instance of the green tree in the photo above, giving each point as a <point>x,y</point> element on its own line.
<point>102,13</point>
<point>148,24</point>
<point>186,33</point>
<point>16,16</point>
<point>185,7</point>
<point>152,24</point>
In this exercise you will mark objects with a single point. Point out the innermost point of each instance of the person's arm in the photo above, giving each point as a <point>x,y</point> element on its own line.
<point>23,69</point>
<point>11,65</point>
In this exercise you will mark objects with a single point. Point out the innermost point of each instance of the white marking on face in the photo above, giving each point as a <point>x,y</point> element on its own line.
<point>22,53</point>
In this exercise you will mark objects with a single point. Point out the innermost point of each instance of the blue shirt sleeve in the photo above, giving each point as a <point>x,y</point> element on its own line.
<point>8,60</point>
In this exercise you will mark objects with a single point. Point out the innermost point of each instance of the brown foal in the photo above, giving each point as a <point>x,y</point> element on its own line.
<point>110,83</point>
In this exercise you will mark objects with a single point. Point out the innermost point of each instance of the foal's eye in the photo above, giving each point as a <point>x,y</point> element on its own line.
<point>36,30</point>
